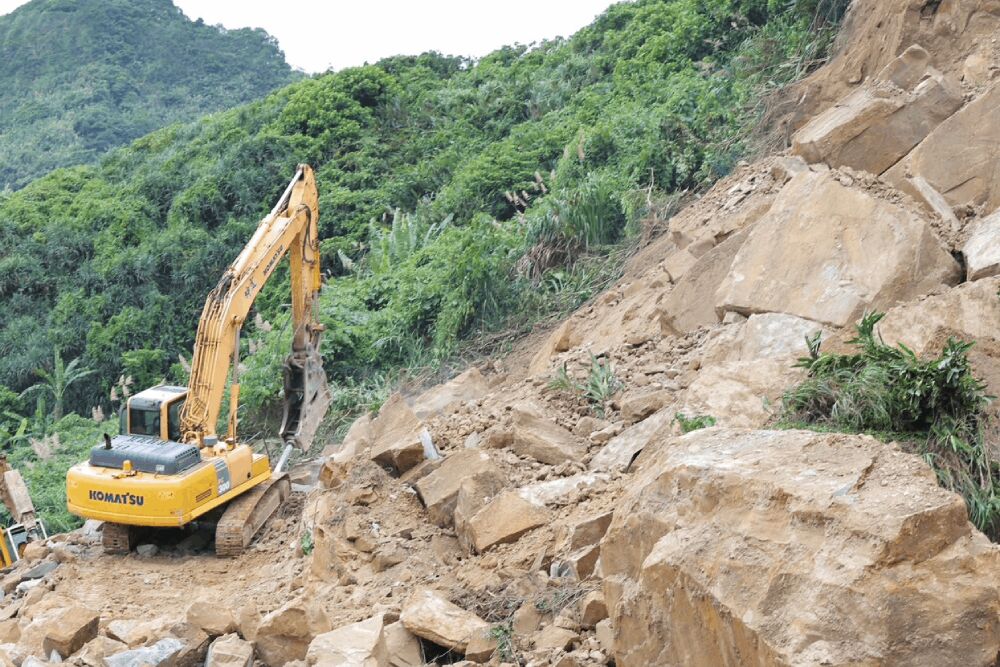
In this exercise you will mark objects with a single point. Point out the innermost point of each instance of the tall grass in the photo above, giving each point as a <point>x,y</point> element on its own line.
<point>937,405</point>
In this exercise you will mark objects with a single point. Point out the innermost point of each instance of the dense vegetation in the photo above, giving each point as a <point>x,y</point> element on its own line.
<point>457,198</point>
<point>935,404</point>
<point>82,76</point>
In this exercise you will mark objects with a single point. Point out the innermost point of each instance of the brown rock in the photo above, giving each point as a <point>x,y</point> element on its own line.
<point>527,619</point>
<point>214,618</point>
<point>10,631</point>
<point>678,263</point>
<point>543,440</point>
<point>229,651</point>
<point>467,386</point>
<point>637,405</point>
<point>593,610</point>
<point>827,272</point>
<point>554,638</point>
<point>481,647</point>
<point>873,127</point>
<point>357,645</point>
<point>580,564</point>
<point>959,158</point>
<point>93,652</point>
<point>691,304</point>
<point>395,436</point>
<point>285,634</point>
<point>739,394</point>
<point>430,615</point>
<point>982,250</point>
<point>882,536</point>
<point>338,463</point>
<point>403,646</point>
<point>589,531</point>
<point>502,520</point>
<point>475,493</point>
<point>196,643</point>
<point>564,338</point>
<point>70,630</point>
<point>439,490</point>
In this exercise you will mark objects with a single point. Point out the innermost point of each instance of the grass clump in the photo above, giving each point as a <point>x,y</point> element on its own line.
<point>598,388</point>
<point>694,423</point>
<point>936,405</point>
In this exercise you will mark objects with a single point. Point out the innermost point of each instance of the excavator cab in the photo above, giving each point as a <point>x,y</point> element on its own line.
<point>155,412</point>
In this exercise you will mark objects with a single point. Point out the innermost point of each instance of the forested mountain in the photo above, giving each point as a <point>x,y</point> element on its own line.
<point>456,196</point>
<point>78,77</point>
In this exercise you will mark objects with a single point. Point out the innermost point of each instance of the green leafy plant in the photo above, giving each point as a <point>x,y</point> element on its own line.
<point>694,423</point>
<point>936,404</point>
<point>503,635</point>
<point>306,542</point>
<point>57,382</point>
<point>600,385</point>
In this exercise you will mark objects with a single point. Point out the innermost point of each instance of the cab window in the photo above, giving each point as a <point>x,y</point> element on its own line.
<point>174,420</point>
<point>144,422</point>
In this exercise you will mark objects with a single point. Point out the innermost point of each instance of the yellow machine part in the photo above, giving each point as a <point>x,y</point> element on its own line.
<point>150,499</point>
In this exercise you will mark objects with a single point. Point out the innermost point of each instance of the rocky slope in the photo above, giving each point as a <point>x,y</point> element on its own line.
<point>498,519</point>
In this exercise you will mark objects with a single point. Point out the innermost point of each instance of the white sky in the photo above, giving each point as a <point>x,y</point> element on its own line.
<point>317,35</point>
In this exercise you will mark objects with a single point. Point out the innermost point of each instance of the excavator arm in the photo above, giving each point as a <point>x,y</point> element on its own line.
<point>291,228</point>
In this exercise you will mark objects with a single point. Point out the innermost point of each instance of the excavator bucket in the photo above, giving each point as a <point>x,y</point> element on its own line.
<point>307,398</point>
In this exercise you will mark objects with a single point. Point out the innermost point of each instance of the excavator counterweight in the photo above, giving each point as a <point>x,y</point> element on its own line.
<point>169,467</point>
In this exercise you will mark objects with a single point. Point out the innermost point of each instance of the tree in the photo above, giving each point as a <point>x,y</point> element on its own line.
<point>57,382</point>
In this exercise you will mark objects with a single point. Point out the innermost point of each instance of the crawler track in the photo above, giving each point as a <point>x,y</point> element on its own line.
<point>245,515</point>
<point>117,538</point>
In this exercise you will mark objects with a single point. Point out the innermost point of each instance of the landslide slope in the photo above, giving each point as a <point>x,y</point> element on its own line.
<point>581,527</point>
<point>81,77</point>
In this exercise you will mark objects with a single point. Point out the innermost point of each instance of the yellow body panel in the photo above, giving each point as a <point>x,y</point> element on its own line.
<point>150,499</point>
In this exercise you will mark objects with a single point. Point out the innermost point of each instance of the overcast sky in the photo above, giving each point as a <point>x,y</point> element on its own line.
<point>316,34</point>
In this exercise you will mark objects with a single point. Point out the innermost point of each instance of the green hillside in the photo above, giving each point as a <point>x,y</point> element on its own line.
<point>82,76</point>
<point>457,198</point>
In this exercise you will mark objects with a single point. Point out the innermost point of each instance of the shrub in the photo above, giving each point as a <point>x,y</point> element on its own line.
<point>694,423</point>
<point>937,405</point>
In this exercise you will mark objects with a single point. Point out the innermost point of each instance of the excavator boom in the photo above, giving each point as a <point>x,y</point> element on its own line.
<point>290,228</point>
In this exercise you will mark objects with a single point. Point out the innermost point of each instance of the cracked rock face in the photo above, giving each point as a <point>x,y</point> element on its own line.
<point>795,548</point>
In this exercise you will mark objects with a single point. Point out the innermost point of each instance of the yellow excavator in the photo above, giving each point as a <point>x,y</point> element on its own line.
<point>168,467</point>
<point>25,527</point>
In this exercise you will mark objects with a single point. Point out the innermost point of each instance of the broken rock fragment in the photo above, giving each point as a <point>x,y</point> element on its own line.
<point>439,489</point>
<point>430,615</point>
<point>355,645</point>
<point>229,651</point>
<point>504,519</point>
<point>544,440</point>
<point>70,630</point>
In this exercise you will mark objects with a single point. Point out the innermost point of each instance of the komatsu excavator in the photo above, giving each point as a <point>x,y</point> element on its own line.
<point>168,467</point>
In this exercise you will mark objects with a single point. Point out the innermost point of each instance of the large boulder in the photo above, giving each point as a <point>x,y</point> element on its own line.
<point>961,158</point>
<point>439,489</point>
<point>430,615</point>
<point>843,250</point>
<point>284,635</point>
<point>876,125</point>
<point>213,618</point>
<point>969,312</point>
<point>338,463</point>
<point>691,304</point>
<point>70,630</point>
<point>738,547</point>
<point>739,394</point>
<point>501,520</point>
<point>982,249</point>
<point>467,386</point>
<point>544,440</point>
<point>356,645</point>
<point>395,435</point>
